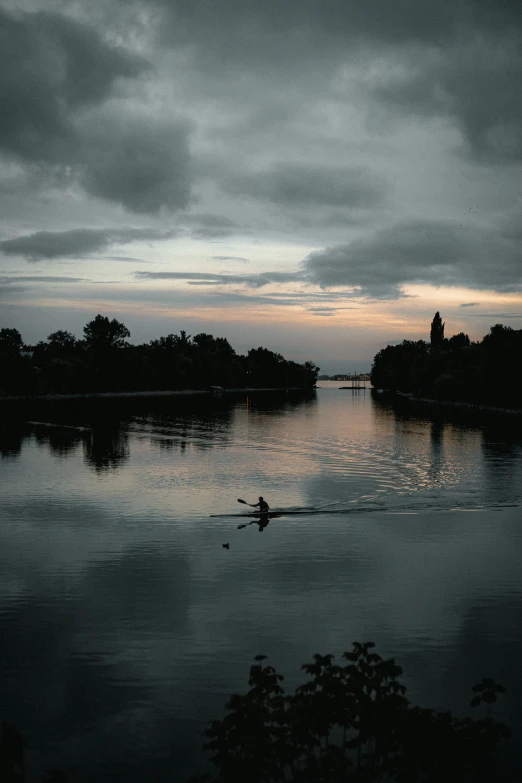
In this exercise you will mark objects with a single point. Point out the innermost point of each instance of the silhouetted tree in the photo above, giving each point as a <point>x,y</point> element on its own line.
<point>15,370</point>
<point>10,341</point>
<point>313,369</point>
<point>459,340</point>
<point>102,333</point>
<point>457,370</point>
<point>401,367</point>
<point>61,341</point>
<point>169,343</point>
<point>437,331</point>
<point>501,357</point>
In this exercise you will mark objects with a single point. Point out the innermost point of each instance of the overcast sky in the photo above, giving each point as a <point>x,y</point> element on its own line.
<point>315,176</point>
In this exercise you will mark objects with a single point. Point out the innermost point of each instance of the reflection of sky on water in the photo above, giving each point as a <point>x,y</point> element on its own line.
<point>125,624</point>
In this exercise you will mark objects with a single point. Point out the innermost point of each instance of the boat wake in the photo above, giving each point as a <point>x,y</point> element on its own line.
<point>382,508</point>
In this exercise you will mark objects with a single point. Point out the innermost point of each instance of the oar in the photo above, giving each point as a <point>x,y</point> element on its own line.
<point>246,504</point>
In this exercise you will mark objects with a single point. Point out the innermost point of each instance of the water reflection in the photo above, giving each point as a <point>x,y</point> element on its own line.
<point>75,669</point>
<point>12,437</point>
<point>60,439</point>
<point>106,446</point>
<point>261,521</point>
<point>201,430</point>
<point>103,428</point>
<point>455,437</point>
<point>125,624</point>
<point>171,444</point>
<point>436,444</point>
<point>502,452</point>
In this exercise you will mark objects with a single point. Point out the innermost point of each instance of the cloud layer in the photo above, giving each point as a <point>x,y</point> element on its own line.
<point>57,77</point>
<point>298,185</point>
<point>44,245</point>
<point>457,60</point>
<point>439,253</point>
<point>253,280</point>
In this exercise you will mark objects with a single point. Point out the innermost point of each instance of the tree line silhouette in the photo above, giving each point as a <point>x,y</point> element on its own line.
<point>104,360</point>
<point>455,369</point>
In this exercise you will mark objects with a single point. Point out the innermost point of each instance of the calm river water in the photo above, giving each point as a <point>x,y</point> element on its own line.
<point>125,624</point>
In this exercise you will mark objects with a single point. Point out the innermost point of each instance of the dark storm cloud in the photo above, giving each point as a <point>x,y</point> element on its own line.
<point>51,65</point>
<point>474,83</point>
<point>209,220</point>
<point>209,226</point>
<point>254,281</point>
<point>308,184</point>
<point>245,25</point>
<point>457,60</point>
<point>77,242</point>
<point>420,251</point>
<point>138,161</point>
<point>211,233</point>
<point>57,75</point>
<point>271,34</point>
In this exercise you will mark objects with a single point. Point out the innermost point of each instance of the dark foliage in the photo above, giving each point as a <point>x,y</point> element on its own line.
<point>10,341</point>
<point>347,722</point>
<point>105,361</point>
<point>455,369</point>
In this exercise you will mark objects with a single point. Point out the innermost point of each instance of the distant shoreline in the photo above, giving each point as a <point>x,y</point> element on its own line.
<point>145,394</point>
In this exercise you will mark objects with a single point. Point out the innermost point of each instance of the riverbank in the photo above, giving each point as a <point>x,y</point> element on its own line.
<point>468,405</point>
<point>450,403</point>
<point>146,394</point>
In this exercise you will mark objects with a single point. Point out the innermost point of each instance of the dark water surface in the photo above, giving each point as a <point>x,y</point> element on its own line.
<point>125,625</point>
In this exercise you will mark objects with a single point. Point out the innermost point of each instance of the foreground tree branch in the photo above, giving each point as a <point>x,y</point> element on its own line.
<point>347,722</point>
